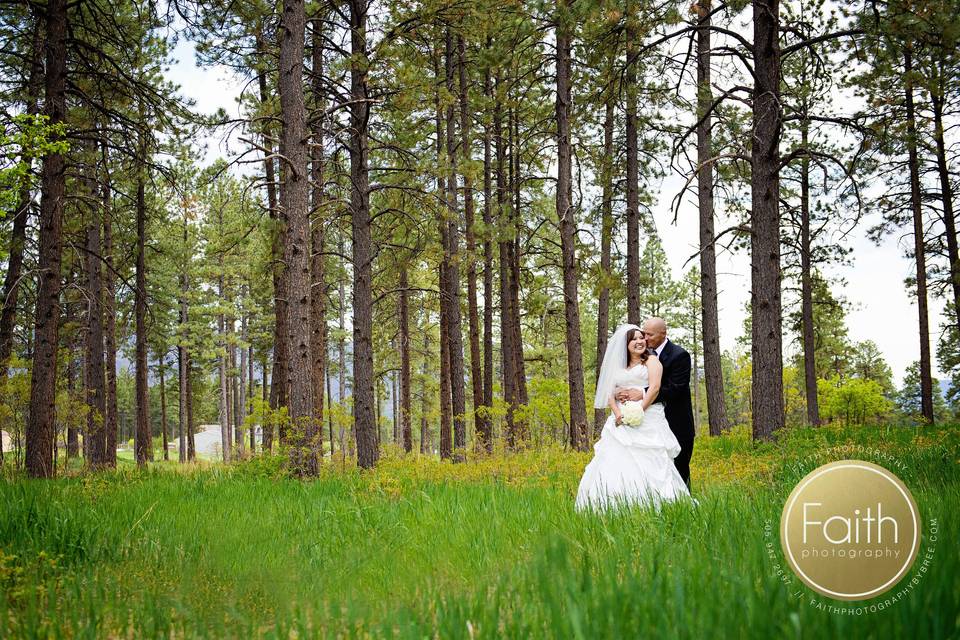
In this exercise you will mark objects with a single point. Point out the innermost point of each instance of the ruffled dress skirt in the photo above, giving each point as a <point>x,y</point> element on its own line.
<point>633,466</point>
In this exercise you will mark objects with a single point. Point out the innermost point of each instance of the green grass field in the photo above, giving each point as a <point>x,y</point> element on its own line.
<point>488,548</point>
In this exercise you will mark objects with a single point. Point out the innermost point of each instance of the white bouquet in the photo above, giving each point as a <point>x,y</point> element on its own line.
<point>632,413</point>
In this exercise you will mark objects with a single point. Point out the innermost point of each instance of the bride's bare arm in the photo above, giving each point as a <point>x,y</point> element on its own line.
<point>655,375</point>
<point>631,394</point>
<point>612,403</point>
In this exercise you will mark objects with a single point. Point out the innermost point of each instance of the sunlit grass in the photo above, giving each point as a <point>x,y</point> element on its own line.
<point>423,548</point>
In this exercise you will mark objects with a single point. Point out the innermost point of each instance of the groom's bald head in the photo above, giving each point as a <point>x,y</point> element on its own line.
<point>655,330</point>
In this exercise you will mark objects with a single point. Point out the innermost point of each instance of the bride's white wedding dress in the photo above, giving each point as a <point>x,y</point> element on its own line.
<point>633,465</point>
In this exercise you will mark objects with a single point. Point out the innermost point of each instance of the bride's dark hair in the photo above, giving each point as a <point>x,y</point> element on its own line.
<point>646,354</point>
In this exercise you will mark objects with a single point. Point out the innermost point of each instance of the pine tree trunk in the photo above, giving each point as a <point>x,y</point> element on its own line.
<point>163,408</point>
<point>484,423</point>
<point>266,444</point>
<point>768,416</point>
<point>228,377</point>
<point>946,194</point>
<point>236,397</point>
<point>633,175</point>
<point>266,429</point>
<point>919,251</point>
<point>712,369</point>
<point>224,403</point>
<point>806,284</point>
<point>425,444</point>
<point>110,314</point>
<point>405,409</point>
<point>94,379</point>
<point>249,409</point>
<point>473,314</point>
<point>11,281</point>
<point>232,419</point>
<point>236,438</point>
<point>394,407</point>
<point>568,233</point>
<point>191,440</point>
<point>318,323</point>
<point>446,428</point>
<point>695,354</point>
<point>295,202</point>
<point>242,404</point>
<point>182,426</point>
<point>85,430</point>
<point>452,259</point>
<point>377,408</point>
<point>278,390</point>
<point>329,413</point>
<point>342,362</point>
<point>41,428</point>
<point>508,363</point>
<point>606,234</point>
<point>520,367</point>
<point>225,328</point>
<point>70,367</point>
<point>363,393</point>
<point>183,356</point>
<point>73,443</point>
<point>144,441</point>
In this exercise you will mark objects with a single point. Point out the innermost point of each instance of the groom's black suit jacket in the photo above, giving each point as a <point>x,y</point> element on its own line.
<point>675,395</point>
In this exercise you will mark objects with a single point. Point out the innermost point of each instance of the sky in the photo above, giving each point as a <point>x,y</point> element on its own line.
<point>882,307</point>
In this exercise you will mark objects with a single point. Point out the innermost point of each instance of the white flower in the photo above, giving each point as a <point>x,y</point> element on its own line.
<point>632,413</point>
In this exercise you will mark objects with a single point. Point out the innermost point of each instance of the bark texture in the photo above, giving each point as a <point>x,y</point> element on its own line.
<point>41,427</point>
<point>716,405</point>
<point>363,395</point>
<point>295,203</point>
<point>919,251</point>
<point>568,233</point>
<point>768,415</point>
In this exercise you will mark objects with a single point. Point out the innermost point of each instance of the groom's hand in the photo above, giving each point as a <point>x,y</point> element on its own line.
<point>625,395</point>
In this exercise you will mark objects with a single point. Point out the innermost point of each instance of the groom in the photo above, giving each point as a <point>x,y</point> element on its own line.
<point>674,390</point>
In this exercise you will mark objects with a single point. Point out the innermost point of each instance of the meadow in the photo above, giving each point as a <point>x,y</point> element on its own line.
<point>488,548</point>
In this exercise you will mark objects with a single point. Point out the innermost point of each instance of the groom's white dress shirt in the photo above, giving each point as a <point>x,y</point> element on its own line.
<point>662,345</point>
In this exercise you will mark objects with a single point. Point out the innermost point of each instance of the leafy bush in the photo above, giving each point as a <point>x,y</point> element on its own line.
<point>852,401</point>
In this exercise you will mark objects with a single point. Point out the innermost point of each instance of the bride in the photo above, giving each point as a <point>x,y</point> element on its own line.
<point>631,464</point>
